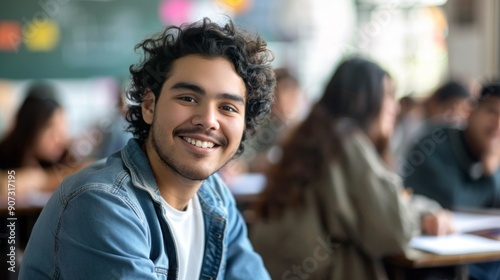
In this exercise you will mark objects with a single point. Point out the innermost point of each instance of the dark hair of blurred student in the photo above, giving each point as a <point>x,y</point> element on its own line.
<point>38,140</point>
<point>333,185</point>
<point>39,137</point>
<point>448,105</point>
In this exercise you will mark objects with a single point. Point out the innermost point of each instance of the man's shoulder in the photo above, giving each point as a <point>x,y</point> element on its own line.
<point>106,173</point>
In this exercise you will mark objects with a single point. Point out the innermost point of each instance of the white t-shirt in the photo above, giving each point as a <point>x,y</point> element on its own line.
<point>189,237</point>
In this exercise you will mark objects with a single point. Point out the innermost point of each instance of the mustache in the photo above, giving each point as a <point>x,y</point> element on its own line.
<point>200,130</point>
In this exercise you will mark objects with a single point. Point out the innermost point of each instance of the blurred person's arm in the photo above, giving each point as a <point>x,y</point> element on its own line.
<point>373,209</point>
<point>70,163</point>
<point>434,219</point>
<point>438,223</point>
<point>28,180</point>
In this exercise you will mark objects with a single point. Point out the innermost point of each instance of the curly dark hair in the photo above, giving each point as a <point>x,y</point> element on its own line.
<point>248,54</point>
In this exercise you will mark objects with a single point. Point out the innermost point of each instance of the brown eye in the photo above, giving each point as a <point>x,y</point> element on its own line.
<point>228,108</point>
<point>187,99</point>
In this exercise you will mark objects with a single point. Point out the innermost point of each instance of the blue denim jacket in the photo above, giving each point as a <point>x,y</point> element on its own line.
<point>105,222</point>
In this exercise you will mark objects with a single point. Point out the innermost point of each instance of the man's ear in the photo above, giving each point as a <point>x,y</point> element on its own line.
<point>148,106</point>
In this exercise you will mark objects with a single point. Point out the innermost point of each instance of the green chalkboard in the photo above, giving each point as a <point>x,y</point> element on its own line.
<point>96,38</point>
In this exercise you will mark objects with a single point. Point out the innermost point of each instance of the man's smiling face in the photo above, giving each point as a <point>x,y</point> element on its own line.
<point>198,121</point>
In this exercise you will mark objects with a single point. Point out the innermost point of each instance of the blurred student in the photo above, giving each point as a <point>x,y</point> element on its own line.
<point>155,209</point>
<point>38,141</point>
<point>448,106</point>
<point>264,148</point>
<point>408,123</point>
<point>332,207</point>
<point>460,168</point>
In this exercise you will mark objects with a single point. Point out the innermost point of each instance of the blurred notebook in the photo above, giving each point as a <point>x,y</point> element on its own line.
<point>455,244</point>
<point>476,233</point>
<point>469,222</point>
<point>486,225</point>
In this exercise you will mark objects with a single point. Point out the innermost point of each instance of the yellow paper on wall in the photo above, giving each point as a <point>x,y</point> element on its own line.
<point>41,35</point>
<point>236,6</point>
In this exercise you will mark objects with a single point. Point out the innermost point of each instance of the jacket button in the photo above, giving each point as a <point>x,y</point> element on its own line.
<point>218,235</point>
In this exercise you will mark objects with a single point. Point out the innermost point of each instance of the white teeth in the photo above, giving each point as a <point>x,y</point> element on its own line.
<point>198,143</point>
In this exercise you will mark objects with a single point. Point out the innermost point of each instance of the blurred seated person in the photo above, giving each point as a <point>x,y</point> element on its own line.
<point>448,106</point>
<point>264,149</point>
<point>408,123</point>
<point>285,114</point>
<point>460,168</point>
<point>333,194</point>
<point>37,142</point>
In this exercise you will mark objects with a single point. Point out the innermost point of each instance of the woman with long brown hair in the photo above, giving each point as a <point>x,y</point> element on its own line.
<point>36,149</point>
<point>332,207</point>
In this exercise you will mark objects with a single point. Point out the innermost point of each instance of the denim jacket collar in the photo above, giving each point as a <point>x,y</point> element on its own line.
<point>142,175</point>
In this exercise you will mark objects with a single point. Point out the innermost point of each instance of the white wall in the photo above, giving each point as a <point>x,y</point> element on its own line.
<point>474,46</point>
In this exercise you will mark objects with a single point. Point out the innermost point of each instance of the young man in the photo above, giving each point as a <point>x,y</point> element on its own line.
<point>155,210</point>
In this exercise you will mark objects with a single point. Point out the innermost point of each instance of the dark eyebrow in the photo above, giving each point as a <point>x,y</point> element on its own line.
<point>231,96</point>
<point>189,86</point>
<point>201,91</point>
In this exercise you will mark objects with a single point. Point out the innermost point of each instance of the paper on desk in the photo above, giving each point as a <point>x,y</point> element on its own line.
<point>247,184</point>
<point>454,244</point>
<point>468,222</point>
